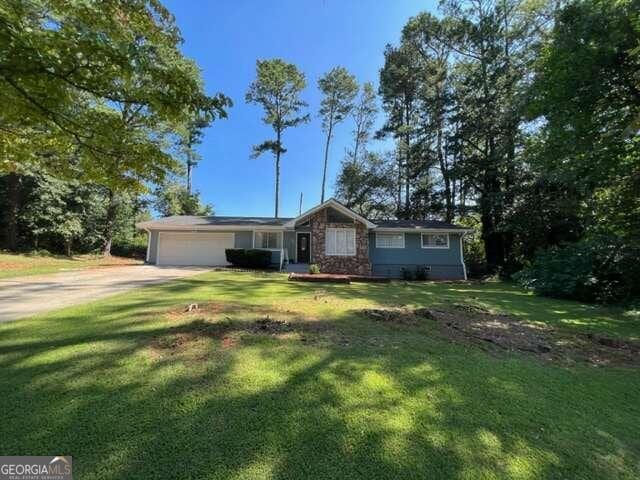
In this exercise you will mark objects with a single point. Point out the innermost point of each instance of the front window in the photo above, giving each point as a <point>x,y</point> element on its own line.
<point>341,241</point>
<point>435,240</point>
<point>268,240</point>
<point>389,240</point>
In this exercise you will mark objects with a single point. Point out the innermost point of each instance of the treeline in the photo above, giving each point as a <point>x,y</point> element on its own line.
<point>521,118</point>
<point>99,107</point>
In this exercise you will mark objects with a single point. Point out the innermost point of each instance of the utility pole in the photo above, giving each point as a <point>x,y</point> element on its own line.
<point>300,205</point>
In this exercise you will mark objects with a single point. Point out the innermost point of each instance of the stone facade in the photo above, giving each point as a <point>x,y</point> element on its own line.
<point>352,265</point>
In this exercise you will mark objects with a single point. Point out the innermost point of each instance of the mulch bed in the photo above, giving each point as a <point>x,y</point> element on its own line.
<point>471,324</point>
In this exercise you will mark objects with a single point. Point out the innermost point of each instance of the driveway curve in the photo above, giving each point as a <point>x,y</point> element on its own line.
<point>26,296</point>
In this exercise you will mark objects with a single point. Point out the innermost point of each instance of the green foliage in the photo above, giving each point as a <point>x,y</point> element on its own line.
<point>60,215</point>
<point>95,85</point>
<point>173,198</point>
<point>339,89</point>
<point>277,89</point>
<point>601,269</point>
<point>248,258</point>
<point>586,90</point>
<point>314,268</point>
<point>366,185</point>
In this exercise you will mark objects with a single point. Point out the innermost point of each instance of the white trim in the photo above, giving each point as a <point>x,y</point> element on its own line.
<point>355,243</point>
<point>390,233</point>
<point>334,204</point>
<point>268,231</point>
<point>303,233</point>
<point>435,247</point>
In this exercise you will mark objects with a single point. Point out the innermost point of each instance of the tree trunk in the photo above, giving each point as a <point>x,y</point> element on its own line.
<point>68,244</point>
<point>189,168</point>
<point>407,186</point>
<point>278,149</point>
<point>399,193</point>
<point>11,214</point>
<point>109,224</point>
<point>326,160</point>
<point>445,175</point>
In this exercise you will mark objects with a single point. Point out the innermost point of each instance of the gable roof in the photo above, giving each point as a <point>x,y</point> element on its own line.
<point>333,203</point>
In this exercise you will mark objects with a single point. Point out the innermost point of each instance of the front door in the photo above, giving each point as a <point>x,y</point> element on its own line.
<point>303,250</point>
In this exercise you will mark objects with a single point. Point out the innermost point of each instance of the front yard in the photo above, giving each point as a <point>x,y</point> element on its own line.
<point>277,379</point>
<point>18,265</point>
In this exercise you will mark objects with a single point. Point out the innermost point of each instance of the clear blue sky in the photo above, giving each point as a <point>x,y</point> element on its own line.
<point>226,37</point>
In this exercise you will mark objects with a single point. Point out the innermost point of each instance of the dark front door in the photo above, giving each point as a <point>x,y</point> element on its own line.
<point>304,252</point>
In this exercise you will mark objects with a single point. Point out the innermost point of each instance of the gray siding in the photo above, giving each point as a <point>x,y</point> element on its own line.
<point>443,263</point>
<point>243,239</point>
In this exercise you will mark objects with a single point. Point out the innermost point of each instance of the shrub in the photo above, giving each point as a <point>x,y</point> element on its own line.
<point>248,258</point>
<point>422,273</point>
<point>132,250</point>
<point>314,268</point>
<point>602,269</point>
<point>408,274</point>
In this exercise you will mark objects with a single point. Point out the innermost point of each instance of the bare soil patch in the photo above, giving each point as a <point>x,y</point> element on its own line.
<point>472,324</point>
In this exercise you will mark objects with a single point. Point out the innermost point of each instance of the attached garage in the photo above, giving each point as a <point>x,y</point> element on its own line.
<point>199,248</point>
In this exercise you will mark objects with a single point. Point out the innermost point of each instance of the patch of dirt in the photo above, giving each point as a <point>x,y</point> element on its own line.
<point>471,324</point>
<point>270,326</point>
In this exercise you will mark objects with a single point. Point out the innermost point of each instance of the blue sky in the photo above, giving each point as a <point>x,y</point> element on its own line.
<point>226,37</point>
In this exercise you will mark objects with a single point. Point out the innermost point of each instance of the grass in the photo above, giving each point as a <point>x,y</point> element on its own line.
<point>134,388</point>
<point>17,265</point>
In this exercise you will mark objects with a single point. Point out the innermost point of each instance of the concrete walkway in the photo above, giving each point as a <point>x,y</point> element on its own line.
<point>26,296</point>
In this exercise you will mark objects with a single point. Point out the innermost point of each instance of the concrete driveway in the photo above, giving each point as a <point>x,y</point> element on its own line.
<point>25,296</point>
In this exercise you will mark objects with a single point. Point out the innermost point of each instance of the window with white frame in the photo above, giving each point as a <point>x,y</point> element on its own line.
<point>269,240</point>
<point>389,240</point>
<point>341,241</point>
<point>435,240</point>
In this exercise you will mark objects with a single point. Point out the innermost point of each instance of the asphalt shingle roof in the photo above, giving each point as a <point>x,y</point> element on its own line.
<point>435,224</point>
<point>195,221</point>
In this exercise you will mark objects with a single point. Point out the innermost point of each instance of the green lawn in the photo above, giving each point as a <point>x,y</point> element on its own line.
<point>17,265</point>
<point>134,388</point>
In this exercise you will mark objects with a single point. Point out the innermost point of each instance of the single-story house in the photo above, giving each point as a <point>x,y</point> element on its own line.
<point>330,235</point>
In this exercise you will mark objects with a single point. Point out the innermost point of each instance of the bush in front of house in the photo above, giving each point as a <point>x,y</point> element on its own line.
<point>418,273</point>
<point>314,268</point>
<point>602,269</point>
<point>248,257</point>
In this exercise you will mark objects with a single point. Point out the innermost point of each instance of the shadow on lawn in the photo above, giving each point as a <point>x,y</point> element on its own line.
<point>392,403</point>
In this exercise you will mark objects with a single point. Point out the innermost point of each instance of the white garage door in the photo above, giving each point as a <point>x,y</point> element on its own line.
<point>193,248</point>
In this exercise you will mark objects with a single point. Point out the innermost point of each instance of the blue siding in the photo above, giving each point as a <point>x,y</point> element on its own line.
<point>443,263</point>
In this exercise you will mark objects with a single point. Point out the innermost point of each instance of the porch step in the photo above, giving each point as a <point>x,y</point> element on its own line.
<point>335,278</point>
